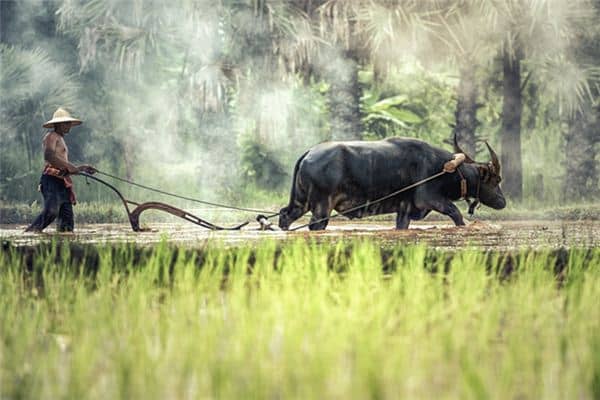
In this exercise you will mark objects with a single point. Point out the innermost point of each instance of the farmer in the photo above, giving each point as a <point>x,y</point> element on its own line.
<point>56,184</point>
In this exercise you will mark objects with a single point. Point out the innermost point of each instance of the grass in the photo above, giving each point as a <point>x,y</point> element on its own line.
<point>299,320</point>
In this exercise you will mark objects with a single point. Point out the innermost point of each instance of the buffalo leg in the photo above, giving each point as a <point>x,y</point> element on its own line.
<point>448,208</point>
<point>417,215</point>
<point>320,212</point>
<point>402,220</point>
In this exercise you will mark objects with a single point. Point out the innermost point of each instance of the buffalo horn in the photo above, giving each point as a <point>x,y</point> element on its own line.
<point>457,149</point>
<point>495,161</point>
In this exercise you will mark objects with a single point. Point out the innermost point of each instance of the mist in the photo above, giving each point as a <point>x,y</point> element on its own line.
<point>217,99</point>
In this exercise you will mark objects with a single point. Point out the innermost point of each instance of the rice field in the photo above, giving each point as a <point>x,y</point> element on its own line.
<point>299,319</point>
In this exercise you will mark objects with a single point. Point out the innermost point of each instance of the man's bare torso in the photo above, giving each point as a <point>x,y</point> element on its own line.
<point>54,144</point>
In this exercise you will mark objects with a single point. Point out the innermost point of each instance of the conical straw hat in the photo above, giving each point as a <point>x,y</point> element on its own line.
<point>61,115</point>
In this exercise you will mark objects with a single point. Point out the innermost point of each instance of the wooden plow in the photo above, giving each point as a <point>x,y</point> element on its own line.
<point>134,215</point>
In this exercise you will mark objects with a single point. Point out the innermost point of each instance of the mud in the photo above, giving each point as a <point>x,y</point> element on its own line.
<point>505,235</point>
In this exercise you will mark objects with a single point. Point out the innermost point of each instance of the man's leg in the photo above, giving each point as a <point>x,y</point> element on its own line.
<point>65,221</point>
<point>42,221</point>
<point>51,207</point>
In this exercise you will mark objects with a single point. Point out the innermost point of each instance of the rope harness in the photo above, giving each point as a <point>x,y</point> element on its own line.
<point>449,167</point>
<point>463,191</point>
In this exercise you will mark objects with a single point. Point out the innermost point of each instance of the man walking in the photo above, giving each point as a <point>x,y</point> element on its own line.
<point>56,184</point>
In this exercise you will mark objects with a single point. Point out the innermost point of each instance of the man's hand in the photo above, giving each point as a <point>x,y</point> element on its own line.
<point>88,169</point>
<point>451,165</point>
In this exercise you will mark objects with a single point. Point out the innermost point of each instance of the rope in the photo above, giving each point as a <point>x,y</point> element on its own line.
<point>184,197</point>
<point>373,202</point>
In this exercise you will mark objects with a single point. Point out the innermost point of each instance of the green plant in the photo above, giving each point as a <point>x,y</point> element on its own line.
<point>301,319</point>
<point>260,165</point>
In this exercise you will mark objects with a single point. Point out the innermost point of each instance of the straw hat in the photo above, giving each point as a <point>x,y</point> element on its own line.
<point>61,115</point>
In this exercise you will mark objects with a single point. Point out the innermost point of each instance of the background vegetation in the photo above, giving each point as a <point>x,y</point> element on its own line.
<point>217,99</point>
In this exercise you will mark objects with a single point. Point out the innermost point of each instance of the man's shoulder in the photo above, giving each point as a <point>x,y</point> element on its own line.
<point>53,136</point>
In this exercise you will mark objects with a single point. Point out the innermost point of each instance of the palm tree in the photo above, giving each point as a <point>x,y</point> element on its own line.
<point>469,52</point>
<point>33,86</point>
<point>582,137</point>
<point>340,61</point>
<point>359,33</point>
<point>210,57</point>
<point>432,31</point>
<point>525,31</point>
<point>120,43</point>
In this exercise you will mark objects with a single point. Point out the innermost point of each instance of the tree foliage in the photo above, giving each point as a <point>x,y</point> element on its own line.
<point>32,87</point>
<point>232,92</point>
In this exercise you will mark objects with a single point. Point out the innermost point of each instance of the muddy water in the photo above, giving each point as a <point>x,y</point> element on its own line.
<point>504,235</point>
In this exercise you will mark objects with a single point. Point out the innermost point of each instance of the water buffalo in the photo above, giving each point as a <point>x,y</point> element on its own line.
<point>344,175</point>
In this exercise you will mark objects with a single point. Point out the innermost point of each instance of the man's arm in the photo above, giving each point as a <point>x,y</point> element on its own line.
<point>52,156</point>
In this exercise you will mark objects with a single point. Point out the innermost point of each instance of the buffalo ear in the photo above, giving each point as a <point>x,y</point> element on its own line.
<point>484,172</point>
<point>457,149</point>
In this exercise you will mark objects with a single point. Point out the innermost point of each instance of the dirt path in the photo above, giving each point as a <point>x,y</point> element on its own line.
<point>501,235</point>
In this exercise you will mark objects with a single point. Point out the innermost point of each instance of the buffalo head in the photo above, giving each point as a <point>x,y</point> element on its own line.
<point>289,214</point>
<point>284,219</point>
<point>490,192</point>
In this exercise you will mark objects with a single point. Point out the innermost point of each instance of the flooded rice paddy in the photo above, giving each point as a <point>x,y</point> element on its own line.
<point>369,318</point>
<point>501,235</point>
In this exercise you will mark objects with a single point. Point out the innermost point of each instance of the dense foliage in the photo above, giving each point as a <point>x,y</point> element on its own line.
<point>216,99</point>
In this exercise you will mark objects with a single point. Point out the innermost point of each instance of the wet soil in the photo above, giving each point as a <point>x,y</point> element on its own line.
<point>504,235</point>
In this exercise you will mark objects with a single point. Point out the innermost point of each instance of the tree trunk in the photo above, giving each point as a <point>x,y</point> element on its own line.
<point>344,98</point>
<point>510,134</point>
<point>466,110</point>
<point>28,150</point>
<point>128,157</point>
<point>8,30</point>
<point>581,178</point>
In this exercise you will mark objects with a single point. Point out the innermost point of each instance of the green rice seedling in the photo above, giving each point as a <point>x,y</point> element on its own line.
<point>298,320</point>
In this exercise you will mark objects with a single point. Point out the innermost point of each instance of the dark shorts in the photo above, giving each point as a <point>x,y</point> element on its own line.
<point>57,203</point>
